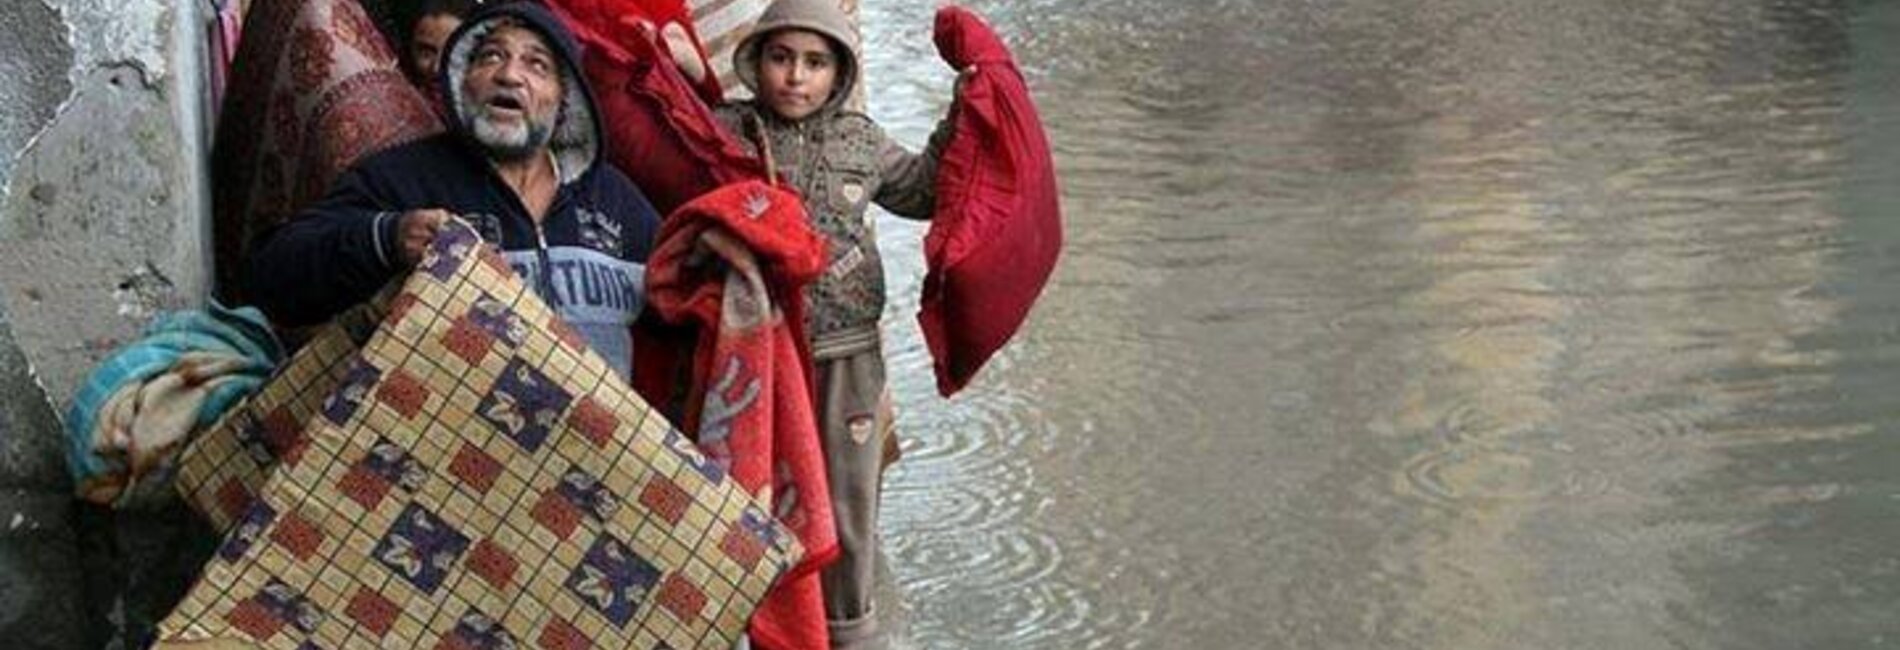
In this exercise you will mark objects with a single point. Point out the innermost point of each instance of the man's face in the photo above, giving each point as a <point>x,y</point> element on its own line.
<point>425,44</point>
<point>513,92</point>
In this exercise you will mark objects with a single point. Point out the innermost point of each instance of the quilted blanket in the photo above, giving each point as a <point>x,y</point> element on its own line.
<point>470,475</point>
<point>751,401</point>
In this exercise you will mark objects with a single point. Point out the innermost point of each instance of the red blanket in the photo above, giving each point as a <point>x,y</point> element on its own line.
<point>668,24</point>
<point>997,229</point>
<point>660,132</point>
<point>750,404</point>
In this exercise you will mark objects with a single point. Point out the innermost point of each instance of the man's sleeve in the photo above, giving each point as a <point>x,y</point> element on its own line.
<point>329,257</point>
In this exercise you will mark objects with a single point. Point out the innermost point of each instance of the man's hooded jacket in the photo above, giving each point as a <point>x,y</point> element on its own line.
<point>586,259</point>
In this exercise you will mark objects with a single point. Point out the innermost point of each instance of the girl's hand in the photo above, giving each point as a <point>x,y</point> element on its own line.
<point>963,77</point>
<point>680,45</point>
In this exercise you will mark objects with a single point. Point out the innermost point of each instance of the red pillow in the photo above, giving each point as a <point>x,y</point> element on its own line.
<point>997,229</point>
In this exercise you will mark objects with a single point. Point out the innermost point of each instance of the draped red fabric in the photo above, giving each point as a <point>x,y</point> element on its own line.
<point>997,230</point>
<point>312,88</point>
<point>660,131</point>
<point>667,23</point>
<point>750,403</point>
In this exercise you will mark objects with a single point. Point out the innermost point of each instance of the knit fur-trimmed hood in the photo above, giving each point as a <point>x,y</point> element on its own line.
<point>577,138</point>
<point>821,16</point>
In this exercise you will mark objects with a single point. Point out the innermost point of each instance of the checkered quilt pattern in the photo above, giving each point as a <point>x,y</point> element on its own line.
<point>449,467</point>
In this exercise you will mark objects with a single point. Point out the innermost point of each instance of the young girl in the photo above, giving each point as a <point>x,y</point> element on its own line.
<point>801,63</point>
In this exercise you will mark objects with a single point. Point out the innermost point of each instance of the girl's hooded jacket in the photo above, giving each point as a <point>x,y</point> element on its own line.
<point>587,258</point>
<point>840,161</point>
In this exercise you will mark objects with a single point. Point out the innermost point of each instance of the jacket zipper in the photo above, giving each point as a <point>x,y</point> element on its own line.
<point>546,282</point>
<point>547,265</point>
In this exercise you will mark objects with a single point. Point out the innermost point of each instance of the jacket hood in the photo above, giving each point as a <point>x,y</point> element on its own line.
<point>821,16</point>
<point>577,138</point>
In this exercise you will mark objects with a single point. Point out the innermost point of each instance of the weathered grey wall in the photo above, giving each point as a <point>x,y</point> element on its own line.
<point>101,225</point>
<point>102,197</point>
<point>35,57</point>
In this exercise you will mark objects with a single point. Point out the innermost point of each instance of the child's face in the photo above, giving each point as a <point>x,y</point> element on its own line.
<point>797,72</point>
<point>425,45</point>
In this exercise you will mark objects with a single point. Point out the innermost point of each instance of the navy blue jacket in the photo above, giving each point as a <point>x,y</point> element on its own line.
<point>587,259</point>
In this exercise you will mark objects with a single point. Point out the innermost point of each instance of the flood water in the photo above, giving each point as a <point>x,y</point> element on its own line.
<point>1456,324</point>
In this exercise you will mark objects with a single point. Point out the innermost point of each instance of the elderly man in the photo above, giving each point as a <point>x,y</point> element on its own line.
<point>522,164</point>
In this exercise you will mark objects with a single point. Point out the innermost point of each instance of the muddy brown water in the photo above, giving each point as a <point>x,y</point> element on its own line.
<point>1452,324</point>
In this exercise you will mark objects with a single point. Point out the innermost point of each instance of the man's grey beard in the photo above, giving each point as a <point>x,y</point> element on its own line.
<point>508,143</point>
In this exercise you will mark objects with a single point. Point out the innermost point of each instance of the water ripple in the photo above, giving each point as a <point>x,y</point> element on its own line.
<point>1443,324</point>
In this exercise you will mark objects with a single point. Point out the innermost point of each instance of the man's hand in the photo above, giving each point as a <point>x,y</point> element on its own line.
<point>417,229</point>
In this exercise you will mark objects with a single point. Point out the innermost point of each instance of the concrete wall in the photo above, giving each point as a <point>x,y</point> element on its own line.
<point>102,223</point>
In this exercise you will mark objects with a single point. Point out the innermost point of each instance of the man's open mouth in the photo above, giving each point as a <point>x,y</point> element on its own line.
<point>504,102</point>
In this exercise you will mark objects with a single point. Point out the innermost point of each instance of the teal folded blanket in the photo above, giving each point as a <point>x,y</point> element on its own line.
<point>142,404</point>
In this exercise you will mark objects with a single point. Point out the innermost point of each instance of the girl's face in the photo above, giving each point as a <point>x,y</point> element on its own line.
<point>797,72</point>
